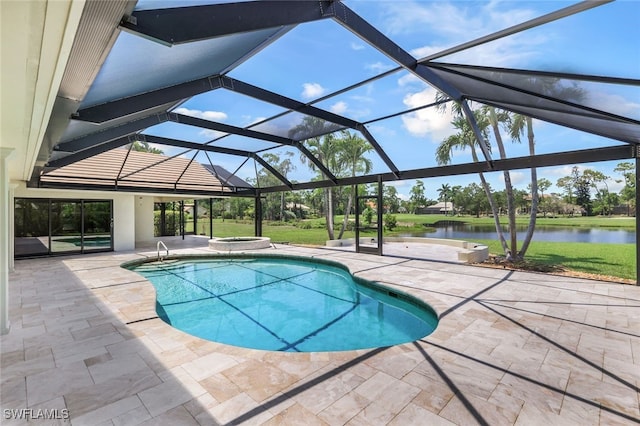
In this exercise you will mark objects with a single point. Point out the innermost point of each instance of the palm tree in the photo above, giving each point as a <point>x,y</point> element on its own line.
<point>351,149</point>
<point>284,167</point>
<point>497,117</point>
<point>465,138</point>
<point>444,192</point>
<point>324,149</point>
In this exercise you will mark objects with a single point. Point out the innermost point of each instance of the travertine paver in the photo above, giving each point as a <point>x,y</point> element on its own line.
<point>511,348</point>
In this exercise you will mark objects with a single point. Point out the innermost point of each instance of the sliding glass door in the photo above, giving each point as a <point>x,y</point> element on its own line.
<point>66,226</point>
<point>55,226</point>
<point>31,227</point>
<point>97,224</point>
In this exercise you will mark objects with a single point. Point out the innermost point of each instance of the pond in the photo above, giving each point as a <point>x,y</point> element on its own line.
<point>461,231</point>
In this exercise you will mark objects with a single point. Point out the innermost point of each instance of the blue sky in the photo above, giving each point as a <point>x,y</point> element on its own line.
<point>318,58</point>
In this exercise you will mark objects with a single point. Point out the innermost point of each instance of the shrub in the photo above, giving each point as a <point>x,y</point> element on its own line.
<point>304,225</point>
<point>289,215</point>
<point>390,221</point>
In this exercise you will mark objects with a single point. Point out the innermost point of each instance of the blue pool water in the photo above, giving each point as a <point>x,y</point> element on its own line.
<point>283,304</point>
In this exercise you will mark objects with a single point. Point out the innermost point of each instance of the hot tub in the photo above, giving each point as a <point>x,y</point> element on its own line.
<point>239,243</point>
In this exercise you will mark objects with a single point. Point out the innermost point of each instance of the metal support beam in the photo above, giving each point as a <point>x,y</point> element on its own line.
<point>257,222</point>
<point>110,134</point>
<point>132,104</point>
<point>284,102</point>
<point>90,152</point>
<point>192,145</point>
<point>471,119</point>
<point>317,162</point>
<point>354,23</point>
<point>637,159</point>
<point>227,128</point>
<point>532,23</point>
<point>595,155</point>
<point>186,24</point>
<point>379,150</point>
<point>212,125</point>
<point>294,105</point>
<point>273,171</point>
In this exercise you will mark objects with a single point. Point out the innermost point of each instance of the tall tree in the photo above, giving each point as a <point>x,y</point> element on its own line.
<point>496,119</point>
<point>324,149</point>
<point>466,139</point>
<point>143,146</point>
<point>444,193</point>
<point>284,166</point>
<point>567,183</point>
<point>350,152</point>
<point>416,196</point>
<point>543,185</point>
<point>390,198</point>
<point>596,178</point>
<point>628,192</point>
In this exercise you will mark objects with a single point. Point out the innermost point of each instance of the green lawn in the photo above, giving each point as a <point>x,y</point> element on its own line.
<point>616,260</point>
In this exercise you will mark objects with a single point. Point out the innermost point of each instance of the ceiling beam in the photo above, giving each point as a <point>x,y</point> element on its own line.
<point>133,104</point>
<point>110,134</point>
<point>219,149</point>
<point>192,23</point>
<point>294,105</point>
<point>283,101</point>
<point>86,153</point>
<point>363,29</point>
<point>621,152</point>
<point>192,145</point>
<point>226,128</point>
<point>532,23</point>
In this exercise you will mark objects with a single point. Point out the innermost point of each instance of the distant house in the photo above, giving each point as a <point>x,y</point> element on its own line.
<point>438,208</point>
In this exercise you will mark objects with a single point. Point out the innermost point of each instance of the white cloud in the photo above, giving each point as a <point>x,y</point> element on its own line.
<point>428,121</point>
<point>458,23</point>
<point>312,90</point>
<point>517,178</point>
<point>378,67</point>
<point>339,107</point>
<point>613,103</point>
<point>409,80</point>
<point>206,115</point>
<point>357,46</point>
<point>563,171</point>
<point>211,134</point>
<point>249,120</point>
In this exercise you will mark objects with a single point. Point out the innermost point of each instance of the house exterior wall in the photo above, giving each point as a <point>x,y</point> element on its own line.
<point>144,218</point>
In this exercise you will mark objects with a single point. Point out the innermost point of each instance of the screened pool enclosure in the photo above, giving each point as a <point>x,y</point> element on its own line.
<point>241,85</point>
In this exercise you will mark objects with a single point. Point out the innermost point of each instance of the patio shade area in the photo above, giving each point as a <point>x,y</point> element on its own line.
<point>511,348</point>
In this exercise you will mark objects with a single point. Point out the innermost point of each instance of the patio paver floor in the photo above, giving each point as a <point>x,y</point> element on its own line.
<point>511,348</point>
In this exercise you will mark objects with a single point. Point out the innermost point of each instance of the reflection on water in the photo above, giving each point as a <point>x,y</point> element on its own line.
<point>461,231</point>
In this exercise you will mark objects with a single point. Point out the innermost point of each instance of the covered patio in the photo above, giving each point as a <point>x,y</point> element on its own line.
<point>511,348</point>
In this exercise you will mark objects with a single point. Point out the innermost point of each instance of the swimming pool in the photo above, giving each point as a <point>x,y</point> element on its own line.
<point>283,304</point>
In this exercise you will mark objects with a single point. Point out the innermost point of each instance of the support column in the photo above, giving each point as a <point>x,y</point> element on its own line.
<point>257,222</point>
<point>12,229</point>
<point>5,235</point>
<point>637,216</point>
<point>210,217</point>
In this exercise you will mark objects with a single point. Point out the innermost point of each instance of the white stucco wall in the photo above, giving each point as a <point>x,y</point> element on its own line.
<point>124,227</point>
<point>144,218</point>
